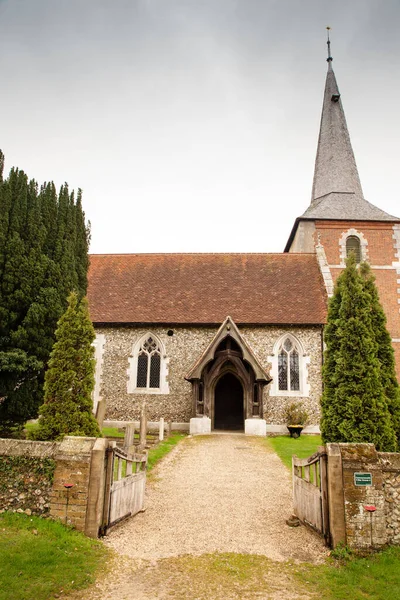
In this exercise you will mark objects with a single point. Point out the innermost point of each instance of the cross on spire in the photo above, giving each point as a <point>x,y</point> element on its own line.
<point>329,59</point>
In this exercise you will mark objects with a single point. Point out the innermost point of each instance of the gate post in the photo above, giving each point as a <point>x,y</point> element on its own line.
<point>335,495</point>
<point>95,502</point>
<point>109,468</point>
<point>323,474</point>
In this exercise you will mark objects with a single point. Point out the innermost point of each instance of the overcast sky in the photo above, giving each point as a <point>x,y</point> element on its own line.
<point>192,125</point>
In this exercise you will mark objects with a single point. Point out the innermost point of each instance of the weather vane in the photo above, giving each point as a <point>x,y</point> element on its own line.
<point>329,59</point>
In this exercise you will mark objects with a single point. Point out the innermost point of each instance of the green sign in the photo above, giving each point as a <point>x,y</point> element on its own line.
<point>362,479</point>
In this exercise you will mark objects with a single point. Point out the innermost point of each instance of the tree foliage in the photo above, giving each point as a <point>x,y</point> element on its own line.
<point>359,399</point>
<point>69,380</point>
<point>43,256</point>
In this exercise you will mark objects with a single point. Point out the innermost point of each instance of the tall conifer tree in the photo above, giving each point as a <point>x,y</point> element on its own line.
<point>69,380</point>
<point>43,256</point>
<point>385,349</point>
<point>354,404</point>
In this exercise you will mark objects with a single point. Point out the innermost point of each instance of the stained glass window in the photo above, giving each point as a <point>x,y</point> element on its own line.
<point>149,364</point>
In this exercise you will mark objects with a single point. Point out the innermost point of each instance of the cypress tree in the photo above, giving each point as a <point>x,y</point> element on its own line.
<point>329,424</point>
<point>385,349</point>
<point>43,256</point>
<point>69,380</point>
<point>354,405</point>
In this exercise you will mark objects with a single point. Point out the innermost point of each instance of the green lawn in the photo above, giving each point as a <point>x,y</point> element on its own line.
<point>40,558</point>
<point>286,446</point>
<point>112,432</point>
<point>159,451</point>
<point>376,577</point>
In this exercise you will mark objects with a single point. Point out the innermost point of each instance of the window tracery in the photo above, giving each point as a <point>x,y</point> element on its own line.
<point>148,367</point>
<point>289,368</point>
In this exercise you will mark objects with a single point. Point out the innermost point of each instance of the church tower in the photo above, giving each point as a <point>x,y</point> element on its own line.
<point>339,218</point>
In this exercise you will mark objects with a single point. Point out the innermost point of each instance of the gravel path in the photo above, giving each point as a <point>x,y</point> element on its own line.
<point>225,493</point>
<point>217,493</point>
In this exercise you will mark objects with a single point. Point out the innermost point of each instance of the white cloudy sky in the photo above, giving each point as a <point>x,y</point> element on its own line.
<point>191,125</point>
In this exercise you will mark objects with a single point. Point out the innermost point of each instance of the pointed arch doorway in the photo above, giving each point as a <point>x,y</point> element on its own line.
<point>229,404</point>
<point>227,385</point>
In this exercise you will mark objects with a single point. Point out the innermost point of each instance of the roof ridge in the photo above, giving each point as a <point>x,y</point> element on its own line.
<point>198,254</point>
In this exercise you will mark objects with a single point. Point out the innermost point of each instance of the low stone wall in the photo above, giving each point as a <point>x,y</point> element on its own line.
<point>364,496</point>
<point>64,480</point>
<point>26,476</point>
<point>390,463</point>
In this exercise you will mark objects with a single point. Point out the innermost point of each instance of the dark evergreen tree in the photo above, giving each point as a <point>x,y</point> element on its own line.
<point>69,380</point>
<point>354,404</point>
<point>385,349</point>
<point>43,256</point>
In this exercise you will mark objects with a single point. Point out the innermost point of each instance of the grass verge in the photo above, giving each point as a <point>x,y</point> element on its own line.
<point>159,451</point>
<point>245,577</point>
<point>112,432</point>
<point>376,577</point>
<point>219,576</point>
<point>41,559</point>
<point>302,447</point>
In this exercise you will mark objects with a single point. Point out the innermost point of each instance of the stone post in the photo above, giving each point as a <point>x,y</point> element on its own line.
<point>161,430</point>
<point>70,492</point>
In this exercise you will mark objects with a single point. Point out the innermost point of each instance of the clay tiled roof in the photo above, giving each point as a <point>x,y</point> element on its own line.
<point>205,288</point>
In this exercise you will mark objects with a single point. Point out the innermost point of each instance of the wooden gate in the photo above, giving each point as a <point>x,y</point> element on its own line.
<point>125,484</point>
<point>310,492</point>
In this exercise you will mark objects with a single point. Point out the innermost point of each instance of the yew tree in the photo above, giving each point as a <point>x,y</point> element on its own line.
<point>69,380</point>
<point>355,401</point>
<point>43,256</point>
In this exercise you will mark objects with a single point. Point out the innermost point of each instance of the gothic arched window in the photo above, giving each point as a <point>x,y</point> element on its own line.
<point>353,245</point>
<point>288,367</point>
<point>148,367</point>
<point>148,364</point>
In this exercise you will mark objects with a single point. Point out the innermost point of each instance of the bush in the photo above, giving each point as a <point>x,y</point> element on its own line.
<point>295,414</point>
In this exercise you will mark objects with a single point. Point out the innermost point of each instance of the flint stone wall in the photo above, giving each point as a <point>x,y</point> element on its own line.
<point>26,476</point>
<point>34,476</point>
<point>390,464</point>
<point>183,349</point>
<point>350,520</point>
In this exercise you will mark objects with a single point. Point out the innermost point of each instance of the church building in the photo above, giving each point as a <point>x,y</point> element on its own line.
<point>228,341</point>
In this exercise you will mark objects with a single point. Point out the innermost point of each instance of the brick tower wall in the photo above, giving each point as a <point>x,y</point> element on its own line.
<point>380,244</point>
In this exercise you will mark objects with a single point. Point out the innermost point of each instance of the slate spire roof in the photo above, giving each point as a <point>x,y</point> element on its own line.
<point>337,193</point>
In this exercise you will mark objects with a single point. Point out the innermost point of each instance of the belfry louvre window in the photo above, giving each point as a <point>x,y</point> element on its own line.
<point>288,367</point>
<point>148,364</point>
<point>353,245</point>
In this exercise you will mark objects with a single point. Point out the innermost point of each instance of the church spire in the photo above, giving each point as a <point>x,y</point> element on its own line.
<point>336,193</point>
<point>335,166</point>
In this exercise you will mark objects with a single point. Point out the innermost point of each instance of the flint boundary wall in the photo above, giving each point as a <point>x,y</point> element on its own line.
<point>63,480</point>
<point>363,516</point>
